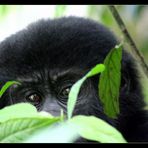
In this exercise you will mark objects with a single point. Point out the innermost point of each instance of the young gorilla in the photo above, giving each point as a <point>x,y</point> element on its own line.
<point>49,56</point>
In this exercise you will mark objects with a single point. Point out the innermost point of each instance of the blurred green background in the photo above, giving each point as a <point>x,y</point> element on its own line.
<point>16,17</point>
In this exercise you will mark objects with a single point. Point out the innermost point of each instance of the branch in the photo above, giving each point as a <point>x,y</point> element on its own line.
<point>128,38</point>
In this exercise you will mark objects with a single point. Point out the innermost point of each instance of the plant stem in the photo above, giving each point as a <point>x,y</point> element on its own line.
<point>128,38</point>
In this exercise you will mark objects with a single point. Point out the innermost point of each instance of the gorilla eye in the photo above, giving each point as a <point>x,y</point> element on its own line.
<point>65,92</point>
<point>34,98</point>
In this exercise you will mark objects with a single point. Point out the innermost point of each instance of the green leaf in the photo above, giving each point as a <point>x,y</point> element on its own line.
<point>96,70</point>
<point>76,87</point>
<point>19,110</point>
<point>17,130</point>
<point>61,133</point>
<point>7,85</point>
<point>109,83</point>
<point>19,121</point>
<point>95,129</point>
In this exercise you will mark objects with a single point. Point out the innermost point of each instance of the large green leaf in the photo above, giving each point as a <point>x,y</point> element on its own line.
<point>17,111</point>
<point>109,83</point>
<point>19,121</point>
<point>76,87</point>
<point>95,129</point>
<point>61,133</point>
<point>20,110</point>
<point>17,130</point>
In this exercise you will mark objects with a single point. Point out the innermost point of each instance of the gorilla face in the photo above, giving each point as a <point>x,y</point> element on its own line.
<point>48,91</point>
<point>49,56</point>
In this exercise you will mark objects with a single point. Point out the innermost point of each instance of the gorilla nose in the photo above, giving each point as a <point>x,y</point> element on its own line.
<point>52,108</point>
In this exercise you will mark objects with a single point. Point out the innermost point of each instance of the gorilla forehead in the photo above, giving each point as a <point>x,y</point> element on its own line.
<point>65,42</point>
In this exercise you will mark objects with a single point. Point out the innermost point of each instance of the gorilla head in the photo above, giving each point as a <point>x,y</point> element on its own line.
<point>49,56</point>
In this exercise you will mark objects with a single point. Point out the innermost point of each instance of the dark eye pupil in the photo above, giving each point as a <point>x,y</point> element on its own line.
<point>65,92</point>
<point>34,98</point>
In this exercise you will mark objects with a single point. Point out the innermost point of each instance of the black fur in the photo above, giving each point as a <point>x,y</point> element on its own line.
<point>51,53</point>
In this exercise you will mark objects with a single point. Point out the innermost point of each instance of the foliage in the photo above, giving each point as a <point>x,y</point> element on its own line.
<point>38,127</point>
<point>109,84</point>
<point>7,85</point>
<point>19,121</point>
<point>76,87</point>
<point>60,10</point>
